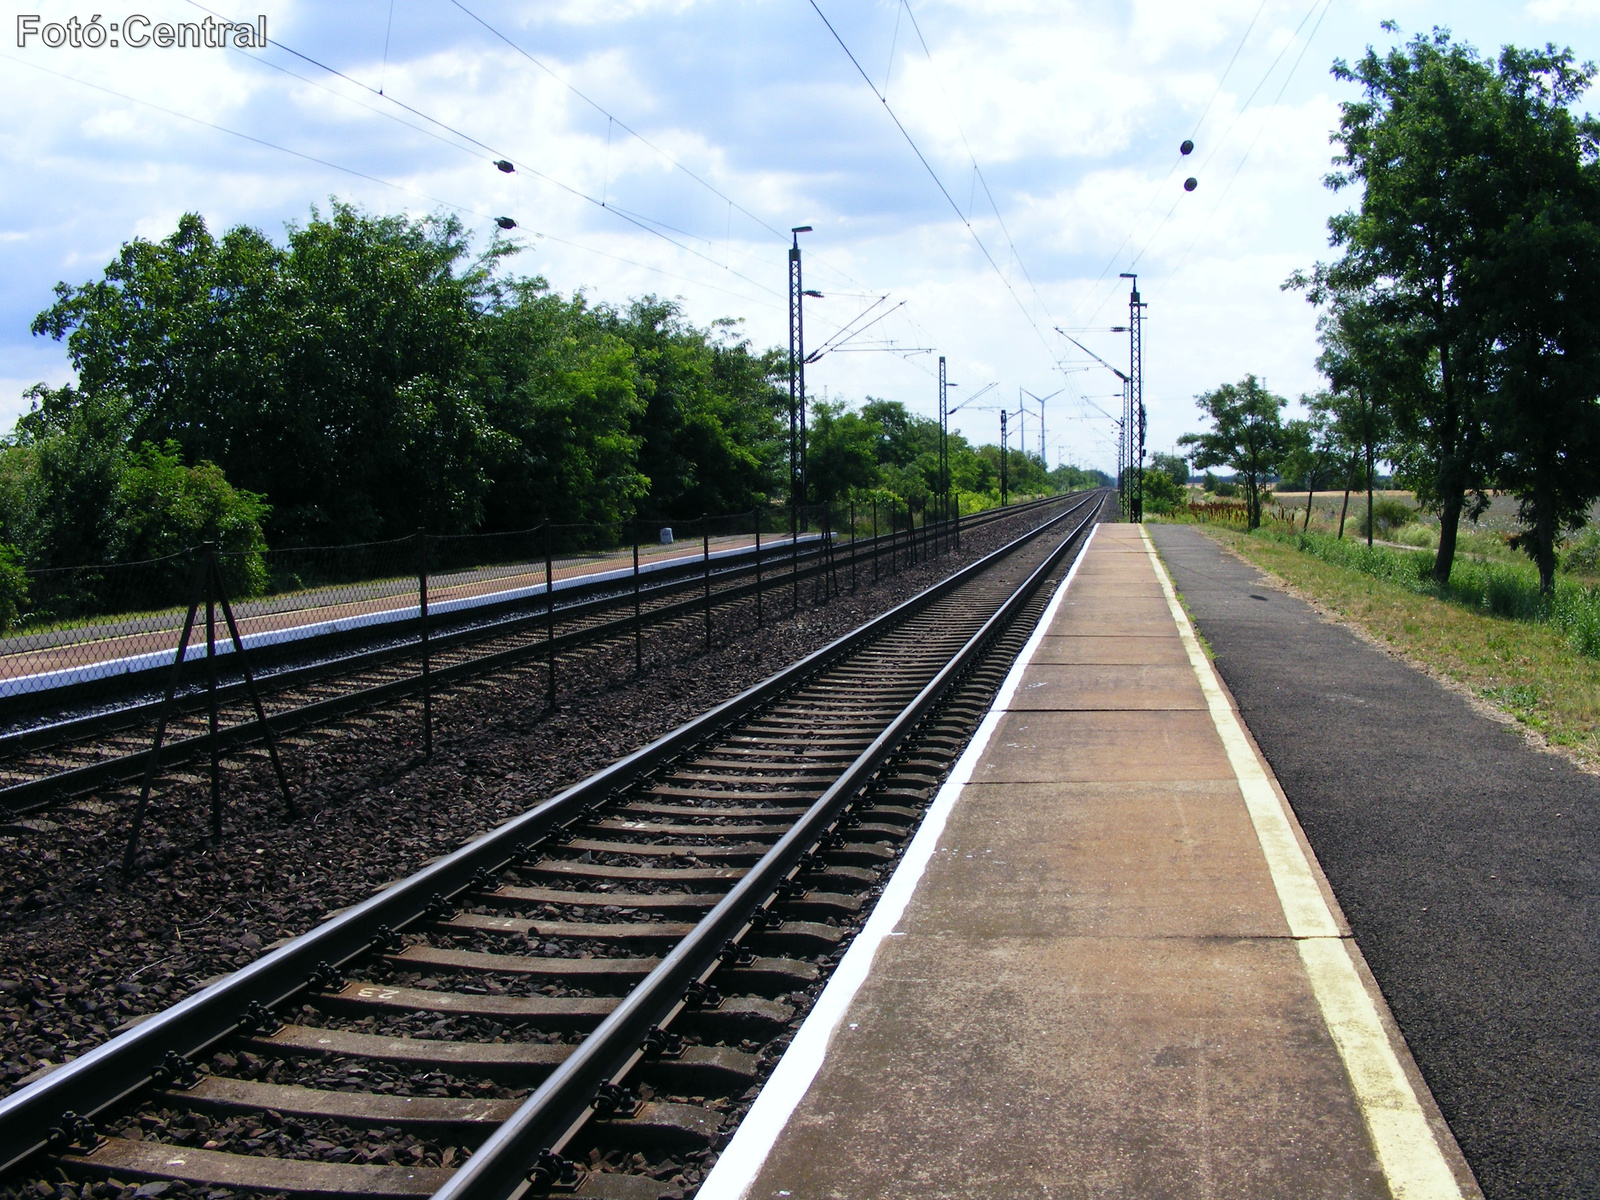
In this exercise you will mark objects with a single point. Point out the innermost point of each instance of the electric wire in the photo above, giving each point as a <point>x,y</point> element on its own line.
<point>1156,191</point>
<point>495,154</point>
<point>976,169</point>
<point>628,129</point>
<point>1215,208</point>
<point>1218,144</point>
<point>400,187</point>
<point>934,175</point>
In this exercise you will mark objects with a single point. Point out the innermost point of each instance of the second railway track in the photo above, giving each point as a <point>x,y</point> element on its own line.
<point>582,1000</point>
<point>72,754</point>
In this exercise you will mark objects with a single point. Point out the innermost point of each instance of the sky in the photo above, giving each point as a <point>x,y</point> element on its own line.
<point>977,173</point>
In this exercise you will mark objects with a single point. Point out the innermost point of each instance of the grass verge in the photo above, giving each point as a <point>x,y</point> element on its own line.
<point>1529,670</point>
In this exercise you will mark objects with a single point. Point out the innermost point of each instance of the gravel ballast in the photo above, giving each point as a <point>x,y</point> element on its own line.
<point>84,950</point>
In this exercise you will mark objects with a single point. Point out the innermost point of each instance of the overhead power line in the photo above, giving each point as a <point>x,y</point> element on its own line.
<point>493,153</point>
<point>934,175</point>
<point>388,183</point>
<point>976,169</point>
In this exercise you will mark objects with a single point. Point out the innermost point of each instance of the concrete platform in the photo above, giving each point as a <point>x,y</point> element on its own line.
<point>1108,965</point>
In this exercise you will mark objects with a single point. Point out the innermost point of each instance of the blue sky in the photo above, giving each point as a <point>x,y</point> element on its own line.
<point>753,119</point>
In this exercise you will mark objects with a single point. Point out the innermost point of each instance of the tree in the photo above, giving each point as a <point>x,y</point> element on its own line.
<point>841,451</point>
<point>1366,365</point>
<point>563,397</point>
<point>1247,434</point>
<point>330,374</point>
<point>1539,300</point>
<point>1311,450</point>
<point>1446,148</point>
<point>1173,465</point>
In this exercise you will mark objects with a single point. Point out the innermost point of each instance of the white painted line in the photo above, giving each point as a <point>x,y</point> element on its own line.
<point>741,1161</point>
<point>1413,1163</point>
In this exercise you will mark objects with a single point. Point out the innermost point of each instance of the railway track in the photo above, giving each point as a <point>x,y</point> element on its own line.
<point>582,1000</point>
<point>101,749</point>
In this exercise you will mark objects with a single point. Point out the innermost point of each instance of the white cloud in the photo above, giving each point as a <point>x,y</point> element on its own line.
<point>1073,110</point>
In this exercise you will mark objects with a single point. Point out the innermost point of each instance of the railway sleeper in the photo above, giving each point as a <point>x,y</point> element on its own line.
<point>749,1016</point>
<point>124,1159</point>
<point>516,1064</point>
<point>763,976</point>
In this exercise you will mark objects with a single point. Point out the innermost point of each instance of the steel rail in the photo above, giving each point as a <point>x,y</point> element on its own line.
<point>474,622</point>
<point>32,793</point>
<point>558,1107</point>
<point>120,1067</point>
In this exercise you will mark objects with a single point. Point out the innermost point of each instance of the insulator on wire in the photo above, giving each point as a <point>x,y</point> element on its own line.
<point>1187,147</point>
<point>505,164</point>
<point>1189,185</point>
<point>508,223</point>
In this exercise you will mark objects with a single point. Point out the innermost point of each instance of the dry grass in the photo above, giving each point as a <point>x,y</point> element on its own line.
<point>1529,672</point>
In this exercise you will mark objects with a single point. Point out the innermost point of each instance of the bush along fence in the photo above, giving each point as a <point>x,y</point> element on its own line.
<point>409,615</point>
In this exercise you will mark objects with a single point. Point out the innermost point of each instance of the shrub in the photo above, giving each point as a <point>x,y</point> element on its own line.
<point>1582,554</point>
<point>1225,488</point>
<point>1388,515</point>
<point>1162,493</point>
<point>13,588</point>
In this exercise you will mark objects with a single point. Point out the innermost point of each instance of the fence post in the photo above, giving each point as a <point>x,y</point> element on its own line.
<point>705,571</point>
<point>131,850</point>
<point>211,707</point>
<point>794,555</point>
<point>290,807</point>
<point>758,568</point>
<point>550,611</point>
<point>876,549</point>
<point>638,624</point>
<point>830,581</point>
<point>853,539</point>
<point>422,612</point>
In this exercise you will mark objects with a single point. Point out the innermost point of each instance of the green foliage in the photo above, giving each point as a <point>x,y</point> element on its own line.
<point>843,452</point>
<point>1388,516</point>
<point>168,507</point>
<point>1174,466</point>
<point>1225,489</point>
<point>1067,478</point>
<point>13,588</point>
<point>1497,589</point>
<point>371,376</point>
<point>1582,554</point>
<point>1163,494</point>
<point>1246,434</point>
<point>1463,306</point>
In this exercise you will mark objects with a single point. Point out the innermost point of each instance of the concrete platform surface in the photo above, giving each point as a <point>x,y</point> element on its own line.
<point>1107,966</point>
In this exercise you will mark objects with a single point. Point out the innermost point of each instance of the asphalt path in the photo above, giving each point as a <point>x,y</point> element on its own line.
<point>1467,862</point>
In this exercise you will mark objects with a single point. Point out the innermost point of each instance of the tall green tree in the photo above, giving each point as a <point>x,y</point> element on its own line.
<point>1367,366</point>
<point>1246,434</point>
<point>1448,150</point>
<point>329,374</point>
<point>841,452</point>
<point>1539,300</point>
<point>1312,455</point>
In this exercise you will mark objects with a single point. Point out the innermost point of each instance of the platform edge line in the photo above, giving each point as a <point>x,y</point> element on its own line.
<point>743,1157</point>
<point>1413,1163</point>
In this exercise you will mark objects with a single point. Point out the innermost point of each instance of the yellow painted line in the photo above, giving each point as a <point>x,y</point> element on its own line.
<point>1412,1161</point>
